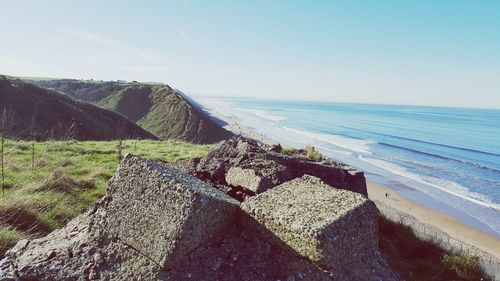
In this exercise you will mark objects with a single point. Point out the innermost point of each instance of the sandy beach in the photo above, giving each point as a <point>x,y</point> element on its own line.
<point>449,225</point>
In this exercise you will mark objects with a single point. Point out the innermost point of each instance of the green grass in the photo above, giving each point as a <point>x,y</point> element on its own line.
<point>416,259</point>
<point>312,154</point>
<point>68,178</point>
<point>289,151</point>
<point>309,152</point>
<point>464,266</point>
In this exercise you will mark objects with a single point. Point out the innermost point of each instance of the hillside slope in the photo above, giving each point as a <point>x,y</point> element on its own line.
<point>47,114</point>
<point>155,107</point>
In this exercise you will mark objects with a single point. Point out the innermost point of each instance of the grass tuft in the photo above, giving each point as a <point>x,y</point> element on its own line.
<point>309,152</point>
<point>9,237</point>
<point>289,151</point>
<point>312,154</point>
<point>466,267</point>
<point>21,218</point>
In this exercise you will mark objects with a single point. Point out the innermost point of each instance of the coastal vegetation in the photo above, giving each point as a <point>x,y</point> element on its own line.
<point>95,110</point>
<point>38,113</point>
<point>155,107</point>
<point>313,154</point>
<point>309,152</point>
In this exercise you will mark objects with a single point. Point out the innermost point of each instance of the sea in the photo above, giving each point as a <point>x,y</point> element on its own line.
<point>446,159</point>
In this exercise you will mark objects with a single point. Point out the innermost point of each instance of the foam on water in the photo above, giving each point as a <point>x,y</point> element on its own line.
<point>361,146</point>
<point>444,185</point>
<point>264,114</point>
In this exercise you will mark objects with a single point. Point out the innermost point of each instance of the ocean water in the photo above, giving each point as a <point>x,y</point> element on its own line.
<point>447,159</point>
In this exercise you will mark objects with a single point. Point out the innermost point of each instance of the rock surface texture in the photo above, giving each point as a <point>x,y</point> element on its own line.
<point>247,178</point>
<point>158,223</point>
<point>166,203</point>
<point>243,167</point>
<point>331,227</point>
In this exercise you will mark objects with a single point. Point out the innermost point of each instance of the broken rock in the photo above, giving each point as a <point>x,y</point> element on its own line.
<point>179,212</point>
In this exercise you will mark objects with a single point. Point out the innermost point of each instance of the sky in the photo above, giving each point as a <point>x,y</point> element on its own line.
<point>421,52</point>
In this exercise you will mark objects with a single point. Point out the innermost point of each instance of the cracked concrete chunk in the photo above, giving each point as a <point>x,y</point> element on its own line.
<point>179,212</point>
<point>329,226</point>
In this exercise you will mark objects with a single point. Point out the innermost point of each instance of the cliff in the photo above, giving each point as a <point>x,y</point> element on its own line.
<point>31,111</point>
<point>155,107</point>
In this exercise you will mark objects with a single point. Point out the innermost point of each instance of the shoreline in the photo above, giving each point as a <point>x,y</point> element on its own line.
<point>395,205</point>
<point>426,222</point>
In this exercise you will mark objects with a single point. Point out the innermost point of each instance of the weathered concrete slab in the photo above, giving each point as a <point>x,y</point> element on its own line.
<point>162,212</point>
<point>331,227</point>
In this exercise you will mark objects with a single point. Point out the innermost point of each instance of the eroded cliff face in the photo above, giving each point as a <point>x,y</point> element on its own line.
<point>159,223</point>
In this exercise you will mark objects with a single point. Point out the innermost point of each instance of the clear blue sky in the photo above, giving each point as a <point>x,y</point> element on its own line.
<point>434,52</point>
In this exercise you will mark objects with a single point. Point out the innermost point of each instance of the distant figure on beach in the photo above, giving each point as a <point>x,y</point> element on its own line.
<point>386,195</point>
